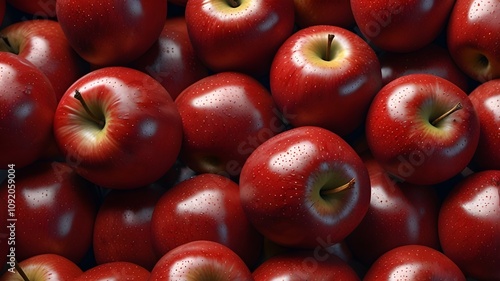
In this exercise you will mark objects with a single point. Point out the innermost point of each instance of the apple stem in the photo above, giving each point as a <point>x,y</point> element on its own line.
<point>79,97</point>
<point>458,106</point>
<point>21,271</point>
<point>341,188</point>
<point>233,3</point>
<point>329,47</point>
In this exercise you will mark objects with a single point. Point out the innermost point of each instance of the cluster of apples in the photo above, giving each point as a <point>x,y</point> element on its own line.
<point>250,140</point>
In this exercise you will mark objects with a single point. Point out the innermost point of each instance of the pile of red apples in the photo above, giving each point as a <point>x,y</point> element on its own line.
<point>249,140</point>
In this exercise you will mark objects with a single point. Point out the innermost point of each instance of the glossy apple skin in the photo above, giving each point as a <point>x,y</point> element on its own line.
<point>142,136</point>
<point>323,12</point>
<point>472,35</point>
<point>205,207</point>
<point>225,116</point>
<point>90,28</point>
<point>125,216</point>
<point>414,262</point>
<point>281,183</point>
<point>200,260</point>
<point>2,10</point>
<point>119,270</point>
<point>45,267</point>
<point>172,60</point>
<point>39,9</point>
<point>431,59</point>
<point>304,265</point>
<point>27,107</point>
<point>43,43</point>
<point>399,214</point>
<point>243,39</point>
<point>67,204</point>
<point>317,92</point>
<point>486,101</point>
<point>468,225</point>
<point>402,139</point>
<point>386,24</point>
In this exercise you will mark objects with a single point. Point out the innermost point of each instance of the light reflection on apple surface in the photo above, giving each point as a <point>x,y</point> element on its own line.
<point>65,224</point>
<point>294,158</point>
<point>41,196</point>
<point>203,203</point>
<point>485,203</point>
<point>137,218</point>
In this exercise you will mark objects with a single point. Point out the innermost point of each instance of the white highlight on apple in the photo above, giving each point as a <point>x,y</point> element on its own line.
<point>268,23</point>
<point>200,203</point>
<point>134,7</point>
<point>396,105</point>
<point>65,224</point>
<point>294,158</point>
<point>353,85</point>
<point>477,11</point>
<point>457,148</point>
<point>41,196</point>
<point>411,272</point>
<point>227,97</point>
<point>493,103</point>
<point>484,204</point>
<point>135,218</point>
<point>148,128</point>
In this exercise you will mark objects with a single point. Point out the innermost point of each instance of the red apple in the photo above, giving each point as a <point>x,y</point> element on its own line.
<point>119,270</point>
<point>118,127</point>
<point>401,26</point>
<point>27,106</point>
<point>486,101</point>
<point>2,10</point>
<point>414,262</point>
<point>323,12</point>
<point>305,265</point>
<point>422,129</point>
<point>473,33</point>
<point>469,227</point>
<point>39,9</point>
<point>172,60</point>
<point>431,59</point>
<point>399,214</point>
<point>43,267</point>
<point>201,260</point>
<point>112,32</point>
<point>323,82</point>
<point>205,207</point>
<point>125,216</point>
<point>225,116</point>
<point>54,211</point>
<point>304,187</point>
<point>239,35</point>
<point>43,43</point>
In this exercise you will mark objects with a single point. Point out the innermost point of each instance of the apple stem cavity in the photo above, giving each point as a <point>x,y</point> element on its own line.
<point>339,189</point>
<point>234,3</point>
<point>79,97</point>
<point>328,52</point>
<point>457,107</point>
<point>21,271</point>
<point>8,47</point>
